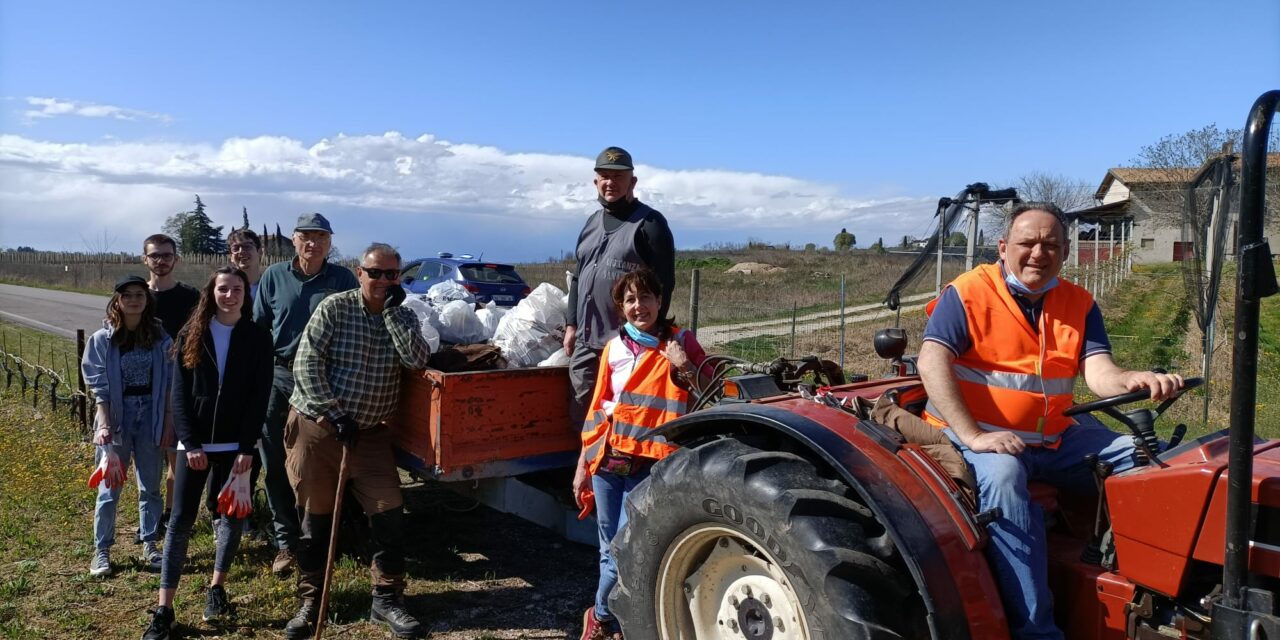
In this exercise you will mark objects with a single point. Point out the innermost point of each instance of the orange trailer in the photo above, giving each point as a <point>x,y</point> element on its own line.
<point>485,424</point>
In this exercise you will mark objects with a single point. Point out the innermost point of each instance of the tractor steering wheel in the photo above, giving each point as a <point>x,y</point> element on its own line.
<point>1140,422</point>
<point>1132,396</point>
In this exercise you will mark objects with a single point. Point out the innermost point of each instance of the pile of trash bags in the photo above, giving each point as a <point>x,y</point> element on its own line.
<point>530,334</point>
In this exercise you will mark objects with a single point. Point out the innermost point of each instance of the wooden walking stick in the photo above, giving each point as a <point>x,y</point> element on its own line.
<point>333,541</point>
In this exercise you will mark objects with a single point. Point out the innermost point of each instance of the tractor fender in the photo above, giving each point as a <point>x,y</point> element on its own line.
<point>867,462</point>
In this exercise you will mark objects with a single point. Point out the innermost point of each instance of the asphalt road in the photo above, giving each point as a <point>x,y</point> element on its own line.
<point>58,312</point>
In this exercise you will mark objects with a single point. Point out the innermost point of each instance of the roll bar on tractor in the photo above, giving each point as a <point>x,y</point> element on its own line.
<point>1243,611</point>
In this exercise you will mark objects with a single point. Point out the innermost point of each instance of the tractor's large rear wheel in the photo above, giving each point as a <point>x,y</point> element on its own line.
<point>726,540</point>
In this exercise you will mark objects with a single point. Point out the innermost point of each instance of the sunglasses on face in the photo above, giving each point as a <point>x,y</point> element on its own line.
<point>389,274</point>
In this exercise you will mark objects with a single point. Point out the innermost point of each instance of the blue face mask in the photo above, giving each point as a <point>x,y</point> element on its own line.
<point>642,338</point>
<point>1016,285</point>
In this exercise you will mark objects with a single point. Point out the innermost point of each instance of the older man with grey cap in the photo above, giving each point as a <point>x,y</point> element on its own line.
<point>624,234</point>
<point>288,294</point>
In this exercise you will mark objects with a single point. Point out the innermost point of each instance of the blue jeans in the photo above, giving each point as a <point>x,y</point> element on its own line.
<point>133,441</point>
<point>611,491</point>
<point>1017,551</point>
<point>280,496</point>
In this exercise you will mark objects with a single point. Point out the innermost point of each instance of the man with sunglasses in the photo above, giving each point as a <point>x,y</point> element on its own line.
<point>348,369</point>
<point>288,293</point>
<point>174,303</point>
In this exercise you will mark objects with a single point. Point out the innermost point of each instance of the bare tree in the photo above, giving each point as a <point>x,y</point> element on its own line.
<point>1176,158</point>
<point>1069,194</point>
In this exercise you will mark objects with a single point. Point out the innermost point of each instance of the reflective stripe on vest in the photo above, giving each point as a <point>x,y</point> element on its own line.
<point>1013,377</point>
<point>1029,437</point>
<point>1015,381</point>
<point>648,400</point>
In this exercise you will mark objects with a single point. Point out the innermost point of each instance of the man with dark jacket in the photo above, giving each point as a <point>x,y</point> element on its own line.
<point>174,303</point>
<point>623,235</point>
<point>287,295</point>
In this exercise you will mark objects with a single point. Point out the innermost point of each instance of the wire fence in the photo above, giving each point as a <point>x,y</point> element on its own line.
<point>45,371</point>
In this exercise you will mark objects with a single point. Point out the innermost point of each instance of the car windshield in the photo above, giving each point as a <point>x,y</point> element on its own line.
<point>490,273</point>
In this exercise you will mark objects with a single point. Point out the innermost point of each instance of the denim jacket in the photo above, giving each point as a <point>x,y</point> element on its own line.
<point>102,374</point>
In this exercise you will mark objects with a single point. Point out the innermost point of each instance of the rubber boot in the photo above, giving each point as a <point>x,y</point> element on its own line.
<point>302,625</point>
<point>388,609</point>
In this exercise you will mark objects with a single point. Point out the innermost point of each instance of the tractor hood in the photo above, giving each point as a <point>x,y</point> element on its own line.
<point>1164,517</point>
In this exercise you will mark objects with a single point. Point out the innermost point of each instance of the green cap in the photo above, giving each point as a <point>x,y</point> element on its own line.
<point>312,222</point>
<point>615,158</point>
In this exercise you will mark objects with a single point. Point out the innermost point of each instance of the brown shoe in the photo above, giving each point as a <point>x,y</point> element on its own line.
<point>284,563</point>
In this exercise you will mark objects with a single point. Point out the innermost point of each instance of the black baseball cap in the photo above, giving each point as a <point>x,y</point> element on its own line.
<point>615,158</point>
<point>128,280</point>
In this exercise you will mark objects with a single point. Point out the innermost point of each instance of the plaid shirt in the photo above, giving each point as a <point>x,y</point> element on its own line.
<point>349,359</point>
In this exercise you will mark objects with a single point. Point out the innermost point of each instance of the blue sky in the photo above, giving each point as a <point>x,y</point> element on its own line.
<point>472,126</point>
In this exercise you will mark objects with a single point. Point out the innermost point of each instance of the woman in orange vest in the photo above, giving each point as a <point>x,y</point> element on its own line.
<point>644,380</point>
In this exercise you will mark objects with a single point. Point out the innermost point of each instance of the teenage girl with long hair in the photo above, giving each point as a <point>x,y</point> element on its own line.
<point>126,368</point>
<point>220,386</point>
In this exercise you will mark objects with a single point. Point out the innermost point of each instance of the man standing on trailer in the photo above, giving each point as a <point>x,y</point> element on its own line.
<point>1001,352</point>
<point>287,295</point>
<point>348,383</point>
<point>623,235</point>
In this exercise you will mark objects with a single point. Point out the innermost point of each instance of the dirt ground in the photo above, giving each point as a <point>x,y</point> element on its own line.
<point>498,576</point>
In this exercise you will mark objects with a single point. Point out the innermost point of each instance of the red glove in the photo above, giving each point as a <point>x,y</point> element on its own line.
<point>110,471</point>
<point>588,499</point>
<point>236,497</point>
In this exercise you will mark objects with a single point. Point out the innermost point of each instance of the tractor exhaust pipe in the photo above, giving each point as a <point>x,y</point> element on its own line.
<point>1234,615</point>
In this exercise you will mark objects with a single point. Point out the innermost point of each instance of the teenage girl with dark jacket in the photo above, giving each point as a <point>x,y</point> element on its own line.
<point>221,382</point>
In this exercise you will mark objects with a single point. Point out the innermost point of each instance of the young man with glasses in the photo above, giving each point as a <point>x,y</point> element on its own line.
<point>288,293</point>
<point>348,369</point>
<point>245,249</point>
<point>174,303</point>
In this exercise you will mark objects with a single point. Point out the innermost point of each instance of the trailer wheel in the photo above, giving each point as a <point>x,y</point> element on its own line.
<point>725,540</point>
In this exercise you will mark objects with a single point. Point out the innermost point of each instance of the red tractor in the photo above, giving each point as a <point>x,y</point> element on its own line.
<point>781,517</point>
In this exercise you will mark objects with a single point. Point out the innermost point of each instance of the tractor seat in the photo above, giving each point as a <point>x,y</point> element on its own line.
<point>1045,495</point>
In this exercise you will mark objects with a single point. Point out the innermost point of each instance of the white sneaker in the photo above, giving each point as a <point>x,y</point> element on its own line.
<point>101,564</point>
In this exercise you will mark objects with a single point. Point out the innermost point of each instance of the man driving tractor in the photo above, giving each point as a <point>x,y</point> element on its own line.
<point>1001,352</point>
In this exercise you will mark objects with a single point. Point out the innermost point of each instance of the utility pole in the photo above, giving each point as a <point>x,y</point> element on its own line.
<point>972,240</point>
<point>942,229</point>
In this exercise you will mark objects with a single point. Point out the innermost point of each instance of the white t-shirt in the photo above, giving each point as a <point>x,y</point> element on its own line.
<point>221,343</point>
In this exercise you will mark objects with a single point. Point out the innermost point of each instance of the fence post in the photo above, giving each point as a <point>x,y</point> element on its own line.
<point>794,307</point>
<point>842,322</point>
<point>84,397</point>
<point>694,280</point>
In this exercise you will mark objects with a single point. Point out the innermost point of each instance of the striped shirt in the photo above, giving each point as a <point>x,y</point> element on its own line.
<point>349,359</point>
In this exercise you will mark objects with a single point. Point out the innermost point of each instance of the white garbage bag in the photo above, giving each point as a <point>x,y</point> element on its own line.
<point>459,324</point>
<point>428,319</point>
<point>534,330</point>
<point>557,359</point>
<point>544,306</point>
<point>490,316</point>
<point>525,343</point>
<point>442,293</point>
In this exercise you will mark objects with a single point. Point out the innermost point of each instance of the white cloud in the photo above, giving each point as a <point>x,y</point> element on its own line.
<point>54,107</point>
<point>382,183</point>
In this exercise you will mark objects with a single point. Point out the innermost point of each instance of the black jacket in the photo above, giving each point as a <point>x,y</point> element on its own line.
<point>206,412</point>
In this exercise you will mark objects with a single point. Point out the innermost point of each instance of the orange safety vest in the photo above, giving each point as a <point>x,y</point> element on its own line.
<point>649,399</point>
<point>1014,378</point>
